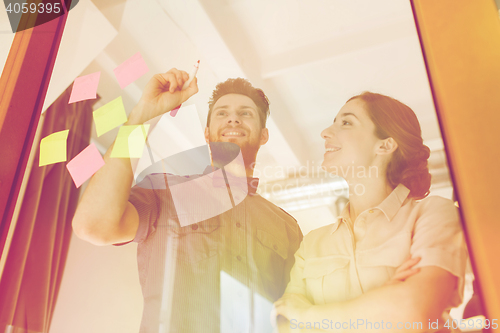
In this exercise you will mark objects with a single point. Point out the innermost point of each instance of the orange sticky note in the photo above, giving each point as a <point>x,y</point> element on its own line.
<point>53,148</point>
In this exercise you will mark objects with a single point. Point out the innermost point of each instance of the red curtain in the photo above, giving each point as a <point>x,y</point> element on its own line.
<point>35,263</point>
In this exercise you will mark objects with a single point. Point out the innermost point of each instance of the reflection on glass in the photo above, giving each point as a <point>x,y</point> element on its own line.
<point>223,271</point>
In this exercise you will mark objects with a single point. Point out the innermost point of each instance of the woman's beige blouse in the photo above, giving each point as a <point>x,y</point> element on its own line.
<point>340,262</point>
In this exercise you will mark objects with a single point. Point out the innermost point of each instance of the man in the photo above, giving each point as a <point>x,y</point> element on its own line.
<point>217,274</point>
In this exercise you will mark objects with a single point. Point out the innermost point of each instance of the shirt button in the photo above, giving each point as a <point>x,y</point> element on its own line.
<point>194,226</point>
<point>238,224</point>
<point>275,247</point>
<point>239,258</point>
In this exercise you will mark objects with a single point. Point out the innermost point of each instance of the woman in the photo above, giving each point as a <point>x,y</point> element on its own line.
<point>339,280</point>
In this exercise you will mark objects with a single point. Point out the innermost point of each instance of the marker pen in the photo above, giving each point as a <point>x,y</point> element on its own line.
<point>186,84</point>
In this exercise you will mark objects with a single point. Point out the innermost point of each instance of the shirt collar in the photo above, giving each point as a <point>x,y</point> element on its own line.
<point>209,169</point>
<point>251,182</point>
<point>343,215</point>
<point>394,201</point>
<point>389,206</point>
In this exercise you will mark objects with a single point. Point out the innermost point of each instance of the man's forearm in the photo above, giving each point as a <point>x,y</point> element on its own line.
<point>104,215</point>
<point>105,199</point>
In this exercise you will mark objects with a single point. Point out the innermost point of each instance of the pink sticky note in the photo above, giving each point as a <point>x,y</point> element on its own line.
<point>85,87</point>
<point>173,112</point>
<point>85,164</point>
<point>130,70</point>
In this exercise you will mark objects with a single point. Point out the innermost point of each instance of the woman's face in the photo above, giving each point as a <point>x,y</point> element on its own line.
<point>350,142</point>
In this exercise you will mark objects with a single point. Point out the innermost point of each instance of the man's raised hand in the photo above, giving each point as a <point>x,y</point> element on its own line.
<point>162,94</point>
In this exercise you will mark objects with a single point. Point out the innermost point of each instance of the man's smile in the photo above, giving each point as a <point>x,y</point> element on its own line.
<point>233,133</point>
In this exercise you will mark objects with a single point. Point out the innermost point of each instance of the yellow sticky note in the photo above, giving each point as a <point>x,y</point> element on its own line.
<point>109,116</point>
<point>53,148</point>
<point>130,141</point>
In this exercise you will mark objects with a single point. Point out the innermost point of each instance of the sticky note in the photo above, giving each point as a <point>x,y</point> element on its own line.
<point>53,148</point>
<point>130,141</point>
<point>84,87</point>
<point>130,70</point>
<point>109,116</point>
<point>173,112</point>
<point>85,164</point>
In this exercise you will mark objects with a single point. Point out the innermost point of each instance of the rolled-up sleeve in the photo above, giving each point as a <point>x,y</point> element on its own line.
<point>145,200</point>
<point>438,239</point>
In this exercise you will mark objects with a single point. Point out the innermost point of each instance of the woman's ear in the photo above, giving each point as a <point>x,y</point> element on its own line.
<point>387,146</point>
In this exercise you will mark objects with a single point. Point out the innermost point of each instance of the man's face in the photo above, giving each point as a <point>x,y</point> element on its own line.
<point>235,118</point>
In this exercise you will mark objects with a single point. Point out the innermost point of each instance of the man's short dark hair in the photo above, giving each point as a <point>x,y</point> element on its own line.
<point>242,87</point>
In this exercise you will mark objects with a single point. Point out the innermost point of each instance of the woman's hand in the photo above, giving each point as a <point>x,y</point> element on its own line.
<point>162,94</point>
<point>296,306</point>
<point>404,271</point>
<point>282,325</point>
<point>292,306</point>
